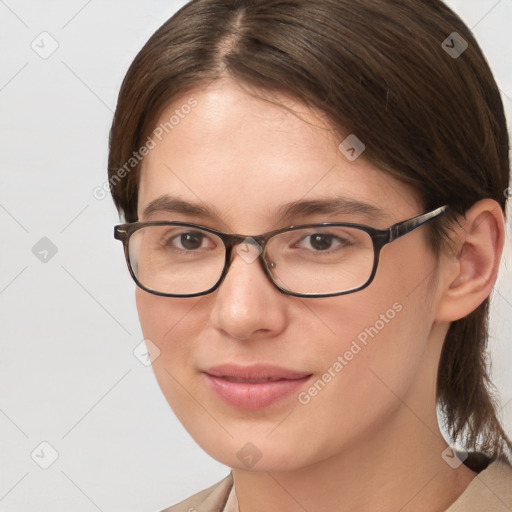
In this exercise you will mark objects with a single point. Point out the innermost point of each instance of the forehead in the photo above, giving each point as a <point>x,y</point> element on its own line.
<point>244,157</point>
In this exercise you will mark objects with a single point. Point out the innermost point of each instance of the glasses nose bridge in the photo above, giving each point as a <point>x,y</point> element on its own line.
<point>235,241</point>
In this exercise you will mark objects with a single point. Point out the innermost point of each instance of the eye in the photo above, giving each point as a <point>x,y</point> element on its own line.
<point>323,242</point>
<point>190,241</point>
<point>320,242</point>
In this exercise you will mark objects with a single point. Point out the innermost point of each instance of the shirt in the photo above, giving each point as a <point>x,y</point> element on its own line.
<point>489,491</point>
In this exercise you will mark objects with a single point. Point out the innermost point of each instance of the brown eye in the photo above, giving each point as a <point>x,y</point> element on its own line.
<point>320,242</point>
<point>191,241</point>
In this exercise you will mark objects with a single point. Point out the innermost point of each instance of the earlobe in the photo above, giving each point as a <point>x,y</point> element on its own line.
<point>469,275</point>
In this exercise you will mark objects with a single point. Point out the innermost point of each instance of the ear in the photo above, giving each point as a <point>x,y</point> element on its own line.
<point>469,272</point>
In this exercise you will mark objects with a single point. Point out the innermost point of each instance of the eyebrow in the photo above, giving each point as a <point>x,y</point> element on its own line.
<point>170,204</point>
<point>301,208</point>
<point>331,206</point>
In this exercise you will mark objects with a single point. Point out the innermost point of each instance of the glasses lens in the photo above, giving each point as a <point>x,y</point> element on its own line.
<point>320,260</point>
<point>177,260</point>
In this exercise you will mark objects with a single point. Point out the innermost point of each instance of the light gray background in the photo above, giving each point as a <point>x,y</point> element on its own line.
<point>69,326</point>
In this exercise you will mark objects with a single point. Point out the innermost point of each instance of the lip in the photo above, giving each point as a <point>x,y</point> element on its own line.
<point>255,386</point>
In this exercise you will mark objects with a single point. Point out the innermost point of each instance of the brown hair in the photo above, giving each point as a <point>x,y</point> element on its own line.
<point>375,68</point>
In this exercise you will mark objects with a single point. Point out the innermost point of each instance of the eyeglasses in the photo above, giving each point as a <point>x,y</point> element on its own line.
<point>179,259</point>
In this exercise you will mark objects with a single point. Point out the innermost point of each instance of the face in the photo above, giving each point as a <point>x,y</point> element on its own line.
<point>338,357</point>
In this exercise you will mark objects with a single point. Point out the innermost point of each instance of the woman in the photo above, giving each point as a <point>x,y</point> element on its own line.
<point>314,197</point>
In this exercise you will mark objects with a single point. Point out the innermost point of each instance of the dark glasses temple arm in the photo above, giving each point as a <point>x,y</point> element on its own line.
<point>406,226</point>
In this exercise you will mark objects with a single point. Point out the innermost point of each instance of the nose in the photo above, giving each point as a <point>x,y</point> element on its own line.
<point>246,304</point>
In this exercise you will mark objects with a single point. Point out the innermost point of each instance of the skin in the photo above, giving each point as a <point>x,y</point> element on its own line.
<point>370,439</point>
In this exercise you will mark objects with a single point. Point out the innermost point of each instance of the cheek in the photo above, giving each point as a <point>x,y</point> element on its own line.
<point>372,366</point>
<point>171,325</point>
<point>379,335</point>
<point>165,318</point>
<point>155,316</point>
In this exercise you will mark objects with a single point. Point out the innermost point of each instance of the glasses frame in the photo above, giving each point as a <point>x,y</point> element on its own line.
<point>380,237</point>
